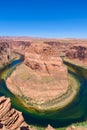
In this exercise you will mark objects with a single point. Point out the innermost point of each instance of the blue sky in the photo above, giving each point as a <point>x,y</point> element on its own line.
<point>44,18</point>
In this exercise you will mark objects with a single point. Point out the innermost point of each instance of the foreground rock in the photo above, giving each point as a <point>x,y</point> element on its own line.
<point>10,119</point>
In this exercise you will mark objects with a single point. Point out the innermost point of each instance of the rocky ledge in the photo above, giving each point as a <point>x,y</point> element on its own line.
<point>11,119</point>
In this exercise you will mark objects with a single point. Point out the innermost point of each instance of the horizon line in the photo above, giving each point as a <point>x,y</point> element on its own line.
<point>37,37</point>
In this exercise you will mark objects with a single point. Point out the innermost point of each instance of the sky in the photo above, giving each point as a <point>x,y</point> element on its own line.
<point>44,18</point>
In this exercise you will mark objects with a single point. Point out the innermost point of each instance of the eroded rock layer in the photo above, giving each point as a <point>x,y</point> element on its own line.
<point>10,119</point>
<point>42,76</point>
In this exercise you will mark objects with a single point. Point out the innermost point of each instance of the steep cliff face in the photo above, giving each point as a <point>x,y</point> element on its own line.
<point>43,58</point>
<point>7,49</point>
<point>10,119</point>
<point>60,46</point>
<point>20,46</point>
<point>77,52</point>
<point>71,48</point>
<point>5,53</point>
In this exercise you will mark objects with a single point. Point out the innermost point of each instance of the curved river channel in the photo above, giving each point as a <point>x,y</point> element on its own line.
<point>74,112</point>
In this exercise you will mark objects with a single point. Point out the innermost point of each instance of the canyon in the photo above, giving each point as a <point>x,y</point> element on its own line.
<point>42,77</point>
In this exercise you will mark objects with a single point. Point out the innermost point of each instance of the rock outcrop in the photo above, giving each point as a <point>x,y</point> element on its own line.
<point>43,58</point>
<point>20,46</point>
<point>77,52</point>
<point>10,119</point>
<point>7,49</point>
<point>5,53</point>
<point>42,76</point>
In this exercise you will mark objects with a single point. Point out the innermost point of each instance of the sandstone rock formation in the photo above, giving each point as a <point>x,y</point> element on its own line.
<point>8,47</point>
<point>19,46</point>
<point>10,119</point>
<point>42,76</point>
<point>43,58</point>
<point>72,48</point>
<point>6,53</point>
<point>79,52</point>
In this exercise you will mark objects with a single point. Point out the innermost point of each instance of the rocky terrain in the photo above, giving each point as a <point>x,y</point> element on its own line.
<point>5,53</point>
<point>77,52</point>
<point>41,77</point>
<point>10,119</point>
<point>71,48</point>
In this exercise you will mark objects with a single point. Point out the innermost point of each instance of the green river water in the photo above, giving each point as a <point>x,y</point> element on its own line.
<point>74,112</point>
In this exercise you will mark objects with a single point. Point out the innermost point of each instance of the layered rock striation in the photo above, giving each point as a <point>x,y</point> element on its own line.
<point>10,119</point>
<point>41,77</point>
<point>77,52</point>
